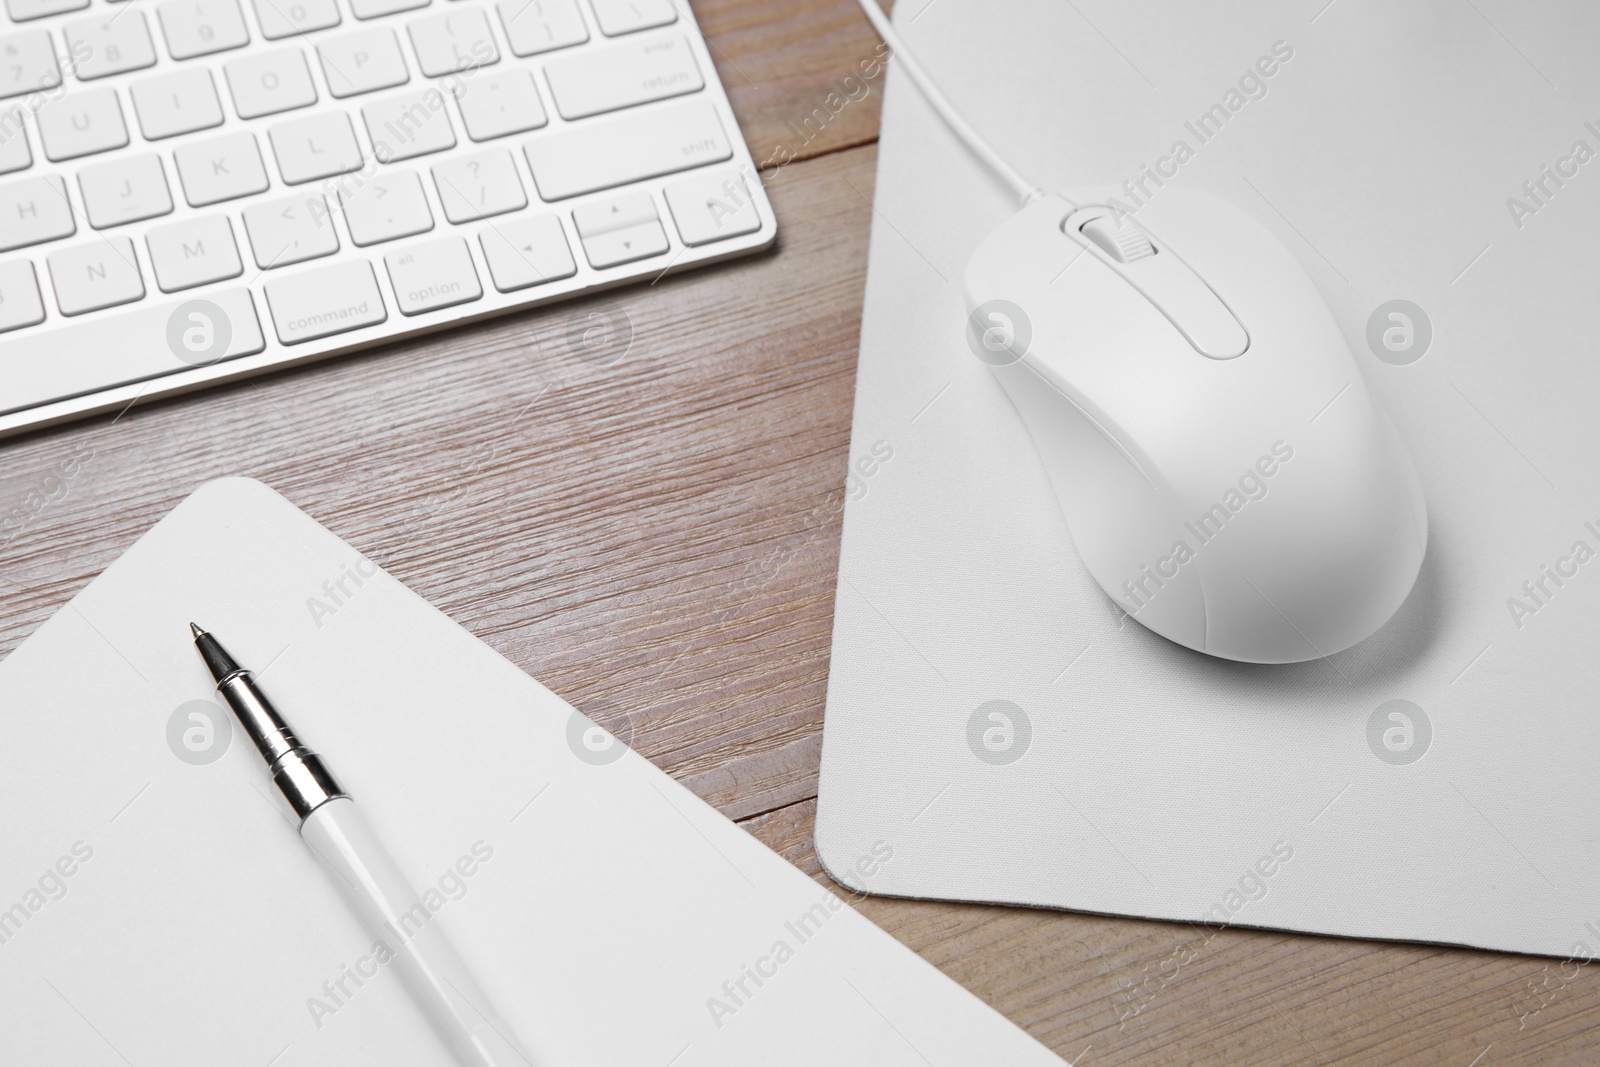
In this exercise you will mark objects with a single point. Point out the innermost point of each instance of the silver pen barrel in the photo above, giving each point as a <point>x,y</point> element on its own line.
<point>299,773</point>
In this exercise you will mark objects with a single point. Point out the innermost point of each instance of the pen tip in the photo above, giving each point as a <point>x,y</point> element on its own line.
<point>217,659</point>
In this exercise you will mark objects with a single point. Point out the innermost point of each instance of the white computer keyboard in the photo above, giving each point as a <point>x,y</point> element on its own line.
<point>197,190</point>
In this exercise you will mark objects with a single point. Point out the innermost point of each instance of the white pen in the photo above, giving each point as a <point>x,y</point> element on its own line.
<point>366,876</point>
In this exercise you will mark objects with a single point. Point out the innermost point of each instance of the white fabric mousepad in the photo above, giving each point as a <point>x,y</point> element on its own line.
<point>997,716</point>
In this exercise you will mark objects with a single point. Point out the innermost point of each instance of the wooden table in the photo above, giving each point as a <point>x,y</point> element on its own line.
<point>657,542</point>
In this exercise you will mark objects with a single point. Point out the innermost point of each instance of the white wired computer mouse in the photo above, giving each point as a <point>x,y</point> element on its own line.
<point>1226,475</point>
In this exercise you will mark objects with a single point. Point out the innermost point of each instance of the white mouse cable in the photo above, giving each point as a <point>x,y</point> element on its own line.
<point>880,22</point>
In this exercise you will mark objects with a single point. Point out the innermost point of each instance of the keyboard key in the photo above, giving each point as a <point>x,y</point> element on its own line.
<point>220,168</point>
<point>610,248</point>
<point>608,79</point>
<point>126,189</point>
<point>617,213</point>
<point>291,230</point>
<point>81,124</point>
<point>317,146</point>
<point>14,154</point>
<point>371,9</point>
<point>523,252</point>
<point>193,252</point>
<point>20,302</point>
<point>411,125</point>
<point>92,354</point>
<point>111,45</point>
<point>200,27</point>
<point>713,207</point>
<point>617,17</point>
<point>625,246</point>
<point>269,82</point>
<point>175,103</point>
<point>97,275</point>
<point>620,230</point>
<point>328,300</point>
<point>34,210</point>
<point>479,185</point>
<point>180,102</point>
<point>615,151</point>
<point>500,104</point>
<point>453,40</point>
<point>362,62</point>
<point>433,275</point>
<point>27,63</point>
<point>287,18</point>
<point>23,10</point>
<point>386,208</point>
<point>534,26</point>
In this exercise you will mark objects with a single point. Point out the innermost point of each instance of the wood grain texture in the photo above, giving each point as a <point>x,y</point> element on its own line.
<point>1135,992</point>
<point>657,542</point>
<point>800,73</point>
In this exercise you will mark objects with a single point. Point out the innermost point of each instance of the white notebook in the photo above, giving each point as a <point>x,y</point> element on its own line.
<point>161,908</point>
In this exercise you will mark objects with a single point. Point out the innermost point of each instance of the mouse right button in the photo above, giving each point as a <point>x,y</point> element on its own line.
<point>1194,308</point>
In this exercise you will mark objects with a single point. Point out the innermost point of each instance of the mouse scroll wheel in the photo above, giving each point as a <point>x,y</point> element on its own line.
<point>1123,243</point>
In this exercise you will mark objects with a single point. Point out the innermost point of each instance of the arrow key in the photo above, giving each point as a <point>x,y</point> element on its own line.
<point>614,213</point>
<point>624,246</point>
<point>620,229</point>
<point>524,252</point>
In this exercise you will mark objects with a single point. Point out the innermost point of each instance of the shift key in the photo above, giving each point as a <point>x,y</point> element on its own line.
<point>611,152</point>
<point>324,301</point>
